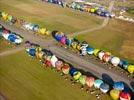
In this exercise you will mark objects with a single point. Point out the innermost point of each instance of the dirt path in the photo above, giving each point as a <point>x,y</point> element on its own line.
<point>105,22</point>
<point>11,51</point>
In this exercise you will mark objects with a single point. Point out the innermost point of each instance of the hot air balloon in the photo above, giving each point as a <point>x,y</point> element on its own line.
<point>48,63</point>
<point>118,86</point>
<point>90,50</point>
<point>65,69</point>
<point>63,40</point>
<point>124,64</point>
<point>106,57</point>
<point>115,61</point>
<point>54,59</point>
<point>90,81</point>
<point>125,96</point>
<point>32,52</point>
<point>58,36</point>
<point>59,64</point>
<point>130,69</point>
<point>74,44</point>
<point>104,87</point>
<point>72,71</point>
<point>68,42</point>
<point>39,55</point>
<point>97,83</point>
<point>82,79</point>
<point>96,51</point>
<point>114,94</point>
<point>9,18</point>
<point>76,75</point>
<point>101,54</point>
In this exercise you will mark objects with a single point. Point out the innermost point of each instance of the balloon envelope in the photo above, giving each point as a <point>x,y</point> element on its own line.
<point>65,69</point>
<point>82,79</point>
<point>131,69</point>
<point>59,64</point>
<point>118,85</point>
<point>97,83</point>
<point>101,54</point>
<point>63,40</point>
<point>123,64</point>
<point>106,57</point>
<point>76,75</point>
<point>54,59</point>
<point>72,71</point>
<point>125,96</point>
<point>114,94</point>
<point>90,50</point>
<point>115,61</point>
<point>32,51</point>
<point>96,51</point>
<point>90,81</point>
<point>104,87</point>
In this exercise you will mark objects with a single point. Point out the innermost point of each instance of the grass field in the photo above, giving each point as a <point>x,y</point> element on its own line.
<point>24,78</point>
<point>3,42</point>
<point>49,15</point>
<point>117,37</point>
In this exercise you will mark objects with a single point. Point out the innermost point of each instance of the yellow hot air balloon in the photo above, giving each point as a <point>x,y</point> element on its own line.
<point>114,94</point>
<point>42,31</point>
<point>78,47</point>
<point>4,15</point>
<point>92,10</point>
<point>96,51</point>
<point>74,45</point>
<point>48,32</point>
<point>131,69</point>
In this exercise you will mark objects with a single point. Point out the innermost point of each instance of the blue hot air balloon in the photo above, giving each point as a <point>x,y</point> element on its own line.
<point>118,86</point>
<point>104,87</point>
<point>72,71</point>
<point>32,52</point>
<point>97,83</point>
<point>90,50</point>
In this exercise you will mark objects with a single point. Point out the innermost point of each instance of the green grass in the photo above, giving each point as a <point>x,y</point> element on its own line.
<point>49,15</point>
<point>4,45</point>
<point>24,78</point>
<point>117,37</point>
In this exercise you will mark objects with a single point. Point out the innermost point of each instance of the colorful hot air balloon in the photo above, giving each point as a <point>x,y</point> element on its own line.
<point>72,71</point>
<point>104,87</point>
<point>96,51</point>
<point>97,83</point>
<point>90,50</point>
<point>76,75</point>
<point>125,96</point>
<point>65,69</point>
<point>115,61</point>
<point>124,64</point>
<point>106,57</point>
<point>39,55</point>
<point>118,86</point>
<point>74,44</point>
<point>59,64</point>
<point>68,42</point>
<point>63,40</point>
<point>130,69</point>
<point>101,54</point>
<point>48,63</point>
<point>114,94</point>
<point>32,52</point>
<point>82,79</point>
<point>90,81</point>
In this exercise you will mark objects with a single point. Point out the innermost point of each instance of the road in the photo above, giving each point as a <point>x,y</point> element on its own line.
<point>70,57</point>
<point>105,22</point>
